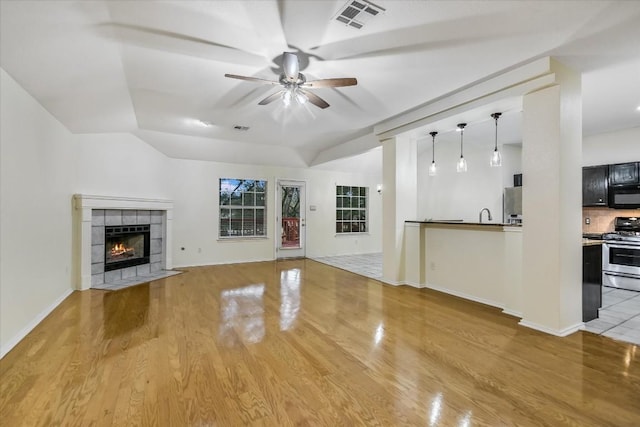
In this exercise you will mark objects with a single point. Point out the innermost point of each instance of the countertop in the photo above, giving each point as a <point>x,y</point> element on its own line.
<point>591,242</point>
<point>467,224</point>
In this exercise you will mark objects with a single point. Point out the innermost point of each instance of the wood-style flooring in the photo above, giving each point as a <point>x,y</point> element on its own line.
<point>302,343</point>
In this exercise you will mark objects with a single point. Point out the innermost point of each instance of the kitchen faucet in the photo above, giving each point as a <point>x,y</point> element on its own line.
<point>480,216</point>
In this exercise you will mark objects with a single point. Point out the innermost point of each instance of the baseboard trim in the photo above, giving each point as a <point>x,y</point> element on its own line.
<point>8,346</point>
<point>414,285</point>
<point>389,282</point>
<point>175,267</point>
<point>464,295</point>
<point>557,332</point>
<point>512,312</point>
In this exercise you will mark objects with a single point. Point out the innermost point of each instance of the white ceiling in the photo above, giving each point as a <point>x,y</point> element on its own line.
<point>156,69</point>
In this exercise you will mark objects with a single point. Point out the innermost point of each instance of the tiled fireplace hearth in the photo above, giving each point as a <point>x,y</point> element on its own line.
<point>120,239</point>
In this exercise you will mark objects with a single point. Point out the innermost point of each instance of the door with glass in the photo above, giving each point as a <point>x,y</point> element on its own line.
<point>290,219</point>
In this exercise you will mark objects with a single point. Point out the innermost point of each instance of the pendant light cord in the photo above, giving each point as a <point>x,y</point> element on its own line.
<point>496,116</point>
<point>433,146</point>
<point>461,126</point>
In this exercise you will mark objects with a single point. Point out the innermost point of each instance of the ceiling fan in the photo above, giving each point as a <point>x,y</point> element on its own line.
<point>294,84</point>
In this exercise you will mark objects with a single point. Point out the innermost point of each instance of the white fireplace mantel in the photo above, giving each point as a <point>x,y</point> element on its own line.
<point>84,204</point>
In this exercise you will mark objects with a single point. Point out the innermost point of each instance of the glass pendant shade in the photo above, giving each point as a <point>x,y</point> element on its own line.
<point>432,166</point>
<point>496,157</point>
<point>461,166</point>
<point>432,169</point>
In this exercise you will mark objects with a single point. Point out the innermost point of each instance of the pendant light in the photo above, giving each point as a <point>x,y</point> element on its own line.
<point>496,157</point>
<point>432,167</point>
<point>461,166</point>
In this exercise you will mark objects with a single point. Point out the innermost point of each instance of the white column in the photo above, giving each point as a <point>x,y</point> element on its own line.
<point>414,246</point>
<point>167,240</point>
<point>399,200</point>
<point>551,236</point>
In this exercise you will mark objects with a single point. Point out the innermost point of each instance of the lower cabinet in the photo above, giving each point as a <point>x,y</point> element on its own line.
<point>591,281</point>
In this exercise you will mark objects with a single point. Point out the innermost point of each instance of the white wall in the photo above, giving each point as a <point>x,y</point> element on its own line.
<point>613,147</point>
<point>196,213</point>
<point>121,165</point>
<point>36,176</point>
<point>453,195</point>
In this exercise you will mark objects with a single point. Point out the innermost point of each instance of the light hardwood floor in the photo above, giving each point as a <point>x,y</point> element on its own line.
<point>303,343</point>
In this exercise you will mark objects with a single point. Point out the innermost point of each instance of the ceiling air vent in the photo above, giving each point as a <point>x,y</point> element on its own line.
<point>356,13</point>
<point>240,128</point>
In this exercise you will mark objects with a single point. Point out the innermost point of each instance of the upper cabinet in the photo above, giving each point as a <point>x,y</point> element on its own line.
<point>594,185</point>
<point>624,173</point>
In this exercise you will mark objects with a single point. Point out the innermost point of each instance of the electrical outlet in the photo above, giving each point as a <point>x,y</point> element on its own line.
<point>432,265</point>
<point>587,221</point>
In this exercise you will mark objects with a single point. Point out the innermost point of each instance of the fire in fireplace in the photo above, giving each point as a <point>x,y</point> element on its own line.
<point>126,246</point>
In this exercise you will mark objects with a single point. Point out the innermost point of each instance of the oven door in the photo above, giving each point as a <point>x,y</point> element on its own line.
<point>621,265</point>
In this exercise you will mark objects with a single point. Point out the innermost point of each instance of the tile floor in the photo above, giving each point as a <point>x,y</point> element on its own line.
<point>125,283</point>
<point>368,265</point>
<point>619,317</point>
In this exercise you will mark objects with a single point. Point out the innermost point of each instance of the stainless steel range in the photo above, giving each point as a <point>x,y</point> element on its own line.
<point>621,255</point>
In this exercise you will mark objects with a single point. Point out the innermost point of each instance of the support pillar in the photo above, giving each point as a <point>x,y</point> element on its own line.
<point>399,200</point>
<point>551,235</point>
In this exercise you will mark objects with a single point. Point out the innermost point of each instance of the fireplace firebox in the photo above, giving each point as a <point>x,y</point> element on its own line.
<point>126,246</point>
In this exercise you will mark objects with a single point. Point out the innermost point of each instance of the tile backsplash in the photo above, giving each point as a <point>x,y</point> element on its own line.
<point>602,218</point>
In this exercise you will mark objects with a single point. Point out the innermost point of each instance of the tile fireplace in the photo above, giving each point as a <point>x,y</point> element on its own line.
<point>120,238</point>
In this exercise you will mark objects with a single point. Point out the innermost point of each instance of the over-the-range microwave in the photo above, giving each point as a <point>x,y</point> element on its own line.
<point>625,196</point>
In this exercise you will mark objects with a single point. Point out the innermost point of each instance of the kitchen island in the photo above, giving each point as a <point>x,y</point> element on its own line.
<point>477,261</point>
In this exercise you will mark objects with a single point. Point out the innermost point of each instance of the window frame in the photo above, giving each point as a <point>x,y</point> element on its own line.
<point>341,209</point>
<point>241,201</point>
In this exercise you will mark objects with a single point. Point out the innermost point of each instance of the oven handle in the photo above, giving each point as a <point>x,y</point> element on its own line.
<point>630,276</point>
<point>622,245</point>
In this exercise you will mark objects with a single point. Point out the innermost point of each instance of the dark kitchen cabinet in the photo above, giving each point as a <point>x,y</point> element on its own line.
<point>594,185</point>
<point>591,281</point>
<point>624,173</point>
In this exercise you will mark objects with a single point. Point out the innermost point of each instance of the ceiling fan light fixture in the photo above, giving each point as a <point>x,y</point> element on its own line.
<point>301,97</point>
<point>294,84</point>
<point>286,98</point>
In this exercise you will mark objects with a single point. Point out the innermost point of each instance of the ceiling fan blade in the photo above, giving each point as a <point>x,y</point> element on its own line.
<point>290,66</point>
<point>251,79</point>
<point>184,44</point>
<point>269,99</point>
<point>338,82</point>
<point>315,99</point>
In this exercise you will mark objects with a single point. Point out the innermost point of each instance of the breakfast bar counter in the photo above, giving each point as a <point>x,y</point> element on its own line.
<point>477,261</point>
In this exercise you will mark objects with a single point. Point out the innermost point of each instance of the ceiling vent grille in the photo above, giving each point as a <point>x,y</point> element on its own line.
<point>356,13</point>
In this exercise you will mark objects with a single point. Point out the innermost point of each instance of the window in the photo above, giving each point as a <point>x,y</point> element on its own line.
<point>351,209</point>
<point>242,208</point>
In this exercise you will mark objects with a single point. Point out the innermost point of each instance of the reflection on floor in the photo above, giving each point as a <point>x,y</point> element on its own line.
<point>619,316</point>
<point>133,281</point>
<point>368,265</point>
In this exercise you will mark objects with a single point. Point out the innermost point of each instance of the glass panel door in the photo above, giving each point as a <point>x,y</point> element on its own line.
<point>291,219</point>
